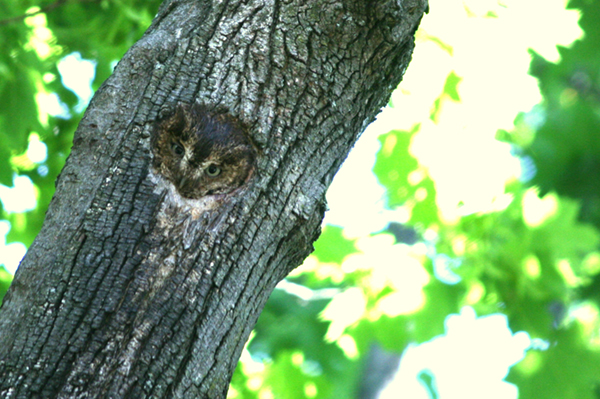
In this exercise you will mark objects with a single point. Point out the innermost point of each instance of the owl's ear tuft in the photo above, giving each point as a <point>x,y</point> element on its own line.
<point>174,120</point>
<point>179,121</point>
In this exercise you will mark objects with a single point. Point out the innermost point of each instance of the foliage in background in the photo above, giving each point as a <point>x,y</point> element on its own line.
<point>31,49</point>
<point>466,223</point>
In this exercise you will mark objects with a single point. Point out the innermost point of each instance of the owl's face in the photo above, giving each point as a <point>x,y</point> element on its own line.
<point>202,153</point>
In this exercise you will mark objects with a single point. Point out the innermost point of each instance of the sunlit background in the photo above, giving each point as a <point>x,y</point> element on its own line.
<point>443,261</point>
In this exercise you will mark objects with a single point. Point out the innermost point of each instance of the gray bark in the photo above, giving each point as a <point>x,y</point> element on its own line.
<point>130,291</point>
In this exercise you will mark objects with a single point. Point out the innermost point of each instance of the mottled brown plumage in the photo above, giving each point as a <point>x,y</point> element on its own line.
<point>201,152</point>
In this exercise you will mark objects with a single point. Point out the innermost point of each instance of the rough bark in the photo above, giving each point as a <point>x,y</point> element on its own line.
<point>131,291</point>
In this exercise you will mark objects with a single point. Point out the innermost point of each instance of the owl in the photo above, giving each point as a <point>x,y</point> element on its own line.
<point>202,152</point>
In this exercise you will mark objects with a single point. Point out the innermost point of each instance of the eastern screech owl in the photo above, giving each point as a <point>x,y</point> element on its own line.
<point>201,152</point>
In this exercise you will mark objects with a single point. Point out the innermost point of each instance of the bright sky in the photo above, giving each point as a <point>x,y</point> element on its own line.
<point>469,362</point>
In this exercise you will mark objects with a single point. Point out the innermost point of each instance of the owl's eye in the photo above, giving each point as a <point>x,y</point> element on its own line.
<point>177,148</point>
<point>213,170</point>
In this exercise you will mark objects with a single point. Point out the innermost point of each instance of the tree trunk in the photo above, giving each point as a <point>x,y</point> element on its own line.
<point>132,290</point>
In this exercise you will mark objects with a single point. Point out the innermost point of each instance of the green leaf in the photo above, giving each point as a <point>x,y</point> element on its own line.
<point>332,246</point>
<point>6,171</point>
<point>407,183</point>
<point>451,86</point>
<point>291,377</point>
<point>304,330</point>
<point>566,149</point>
<point>568,369</point>
<point>5,280</point>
